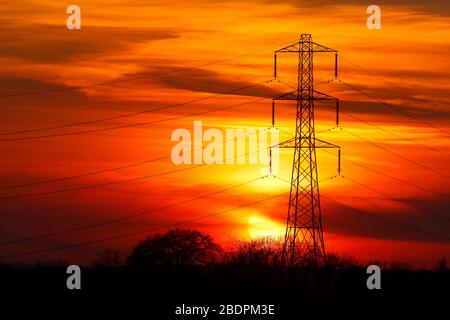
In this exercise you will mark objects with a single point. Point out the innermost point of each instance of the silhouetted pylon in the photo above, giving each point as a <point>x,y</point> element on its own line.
<point>304,238</point>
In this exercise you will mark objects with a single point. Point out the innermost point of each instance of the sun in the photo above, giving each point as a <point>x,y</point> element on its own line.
<point>260,226</point>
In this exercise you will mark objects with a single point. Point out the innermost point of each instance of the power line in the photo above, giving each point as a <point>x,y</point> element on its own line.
<point>397,154</point>
<point>397,200</point>
<point>395,108</point>
<point>409,93</point>
<point>26,195</point>
<point>375,126</point>
<point>120,167</point>
<point>135,164</point>
<point>385,174</point>
<point>133,125</point>
<point>144,231</point>
<point>144,213</point>
<point>86,243</point>
<point>397,135</point>
<point>92,173</point>
<point>123,180</point>
<point>390,132</point>
<point>116,117</point>
<point>134,113</point>
<point>103,83</point>
<point>401,225</point>
<point>393,177</point>
<point>101,171</point>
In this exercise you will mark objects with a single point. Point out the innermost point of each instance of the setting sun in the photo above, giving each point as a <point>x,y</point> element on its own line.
<point>260,226</point>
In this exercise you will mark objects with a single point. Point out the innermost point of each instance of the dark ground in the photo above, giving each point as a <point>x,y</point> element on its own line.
<point>158,290</point>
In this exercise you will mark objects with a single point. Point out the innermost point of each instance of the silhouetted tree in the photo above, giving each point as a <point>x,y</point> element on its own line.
<point>174,248</point>
<point>397,265</point>
<point>260,251</point>
<point>441,265</point>
<point>108,258</point>
<point>341,262</point>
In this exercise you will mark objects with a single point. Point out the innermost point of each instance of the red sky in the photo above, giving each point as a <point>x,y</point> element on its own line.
<point>122,40</point>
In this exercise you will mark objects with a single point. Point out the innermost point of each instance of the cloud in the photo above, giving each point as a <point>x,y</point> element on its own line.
<point>418,74</point>
<point>12,85</point>
<point>342,220</point>
<point>202,80</point>
<point>407,100</point>
<point>375,108</point>
<point>49,43</point>
<point>435,7</point>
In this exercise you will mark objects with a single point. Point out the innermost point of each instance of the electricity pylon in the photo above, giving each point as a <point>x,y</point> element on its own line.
<point>304,238</point>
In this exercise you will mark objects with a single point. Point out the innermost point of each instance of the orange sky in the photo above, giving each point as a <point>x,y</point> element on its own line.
<point>138,39</point>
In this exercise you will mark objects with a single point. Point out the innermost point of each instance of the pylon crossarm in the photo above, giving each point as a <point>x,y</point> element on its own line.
<point>323,144</point>
<point>296,47</point>
<point>305,95</point>
<point>315,143</point>
<point>322,96</point>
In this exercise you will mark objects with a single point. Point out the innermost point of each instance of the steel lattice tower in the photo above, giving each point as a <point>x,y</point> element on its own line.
<point>304,239</point>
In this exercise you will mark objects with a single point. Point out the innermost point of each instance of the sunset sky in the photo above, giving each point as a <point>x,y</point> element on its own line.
<point>150,54</point>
